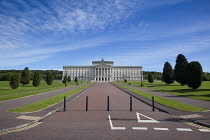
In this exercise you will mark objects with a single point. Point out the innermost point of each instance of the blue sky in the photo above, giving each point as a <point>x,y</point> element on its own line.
<point>48,34</point>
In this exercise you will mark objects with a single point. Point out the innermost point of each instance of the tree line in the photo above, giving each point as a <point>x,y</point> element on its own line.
<point>185,73</point>
<point>25,77</point>
<point>6,75</point>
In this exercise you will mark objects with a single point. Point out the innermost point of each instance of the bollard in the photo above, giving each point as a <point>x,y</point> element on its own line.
<point>130,103</point>
<point>153,105</point>
<point>86,103</point>
<point>107,103</point>
<point>64,103</point>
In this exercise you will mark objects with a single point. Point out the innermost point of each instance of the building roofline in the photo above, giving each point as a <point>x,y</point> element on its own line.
<point>107,65</point>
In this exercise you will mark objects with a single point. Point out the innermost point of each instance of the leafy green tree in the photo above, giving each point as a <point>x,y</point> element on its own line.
<point>65,79</point>
<point>75,80</point>
<point>150,78</point>
<point>125,81</point>
<point>180,69</point>
<point>49,78</point>
<point>36,79</point>
<point>69,79</point>
<point>25,77</point>
<point>168,73</point>
<point>15,80</point>
<point>194,74</point>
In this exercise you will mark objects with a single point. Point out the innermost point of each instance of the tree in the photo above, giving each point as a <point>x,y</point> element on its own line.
<point>180,69</point>
<point>65,79</point>
<point>69,79</point>
<point>49,78</point>
<point>194,74</point>
<point>168,73</point>
<point>36,79</point>
<point>15,80</point>
<point>25,76</point>
<point>150,78</point>
<point>125,81</point>
<point>75,80</point>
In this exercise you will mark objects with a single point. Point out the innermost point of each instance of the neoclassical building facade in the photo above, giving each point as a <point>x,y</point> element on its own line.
<point>104,71</point>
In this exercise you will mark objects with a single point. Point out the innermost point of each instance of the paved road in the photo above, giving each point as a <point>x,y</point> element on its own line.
<point>8,120</point>
<point>118,123</point>
<point>200,117</point>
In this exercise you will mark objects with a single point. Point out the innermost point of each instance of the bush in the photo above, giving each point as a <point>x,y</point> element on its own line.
<point>25,77</point>
<point>129,83</point>
<point>36,79</point>
<point>180,69</point>
<point>15,80</point>
<point>75,80</point>
<point>194,74</point>
<point>150,78</point>
<point>168,73</point>
<point>49,78</point>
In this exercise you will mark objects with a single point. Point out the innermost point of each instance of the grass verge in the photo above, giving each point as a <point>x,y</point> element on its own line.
<point>47,102</point>
<point>166,102</point>
<point>10,97</point>
<point>202,93</point>
<point>44,103</point>
<point>14,96</point>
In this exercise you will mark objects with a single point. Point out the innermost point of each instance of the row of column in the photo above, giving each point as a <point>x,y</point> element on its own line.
<point>102,74</point>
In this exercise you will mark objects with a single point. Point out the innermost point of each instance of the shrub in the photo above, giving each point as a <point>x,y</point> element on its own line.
<point>194,74</point>
<point>25,76</point>
<point>168,73</point>
<point>15,80</point>
<point>150,78</point>
<point>36,79</point>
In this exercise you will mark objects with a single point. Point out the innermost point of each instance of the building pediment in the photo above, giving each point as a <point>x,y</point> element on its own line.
<point>102,65</point>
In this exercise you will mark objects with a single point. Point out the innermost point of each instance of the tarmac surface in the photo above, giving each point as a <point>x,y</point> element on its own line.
<point>8,120</point>
<point>202,118</point>
<point>118,123</point>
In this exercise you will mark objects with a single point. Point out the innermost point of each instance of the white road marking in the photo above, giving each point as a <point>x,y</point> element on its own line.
<point>164,129</point>
<point>28,117</point>
<point>115,128</point>
<point>204,130</point>
<point>183,129</point>
<point>190,116</point>
<point>139,128</point>
<point>145,121</point>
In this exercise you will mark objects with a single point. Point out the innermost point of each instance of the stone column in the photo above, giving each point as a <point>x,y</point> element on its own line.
<point>95,74</point>
<point>99,73</point>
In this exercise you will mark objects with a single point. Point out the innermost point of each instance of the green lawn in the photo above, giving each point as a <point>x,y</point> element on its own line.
<point>202,93</point>
<point>166,102</point>
<point>29,89</point>
<point>47,102</point>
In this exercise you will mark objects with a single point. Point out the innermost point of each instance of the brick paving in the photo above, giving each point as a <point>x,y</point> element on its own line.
<point>76,123</point>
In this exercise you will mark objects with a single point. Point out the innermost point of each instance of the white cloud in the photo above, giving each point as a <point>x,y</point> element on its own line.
<point>40,30</point>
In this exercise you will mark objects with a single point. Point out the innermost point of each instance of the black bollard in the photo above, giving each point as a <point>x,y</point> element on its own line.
<point>64,103</point>
<point>86,103</point>
<point>107,103</point>
<point>153,105</point>
<point>130,103</point>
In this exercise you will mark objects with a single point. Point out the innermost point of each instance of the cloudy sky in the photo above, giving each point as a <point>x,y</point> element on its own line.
<point>48,34</point>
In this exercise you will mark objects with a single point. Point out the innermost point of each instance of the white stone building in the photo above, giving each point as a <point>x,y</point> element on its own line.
<point>104,71</point>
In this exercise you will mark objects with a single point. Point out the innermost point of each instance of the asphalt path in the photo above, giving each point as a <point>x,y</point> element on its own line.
<point>7,120</point>
<point>118,123</point>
